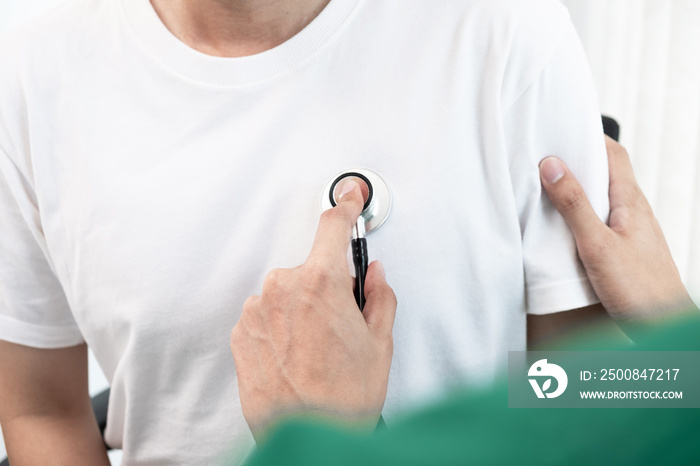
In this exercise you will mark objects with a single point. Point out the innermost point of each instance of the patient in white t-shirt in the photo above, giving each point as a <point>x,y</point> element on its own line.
<point>158,158</point>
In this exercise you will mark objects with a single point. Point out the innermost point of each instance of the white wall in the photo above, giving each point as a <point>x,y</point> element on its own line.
<point>645,58</point>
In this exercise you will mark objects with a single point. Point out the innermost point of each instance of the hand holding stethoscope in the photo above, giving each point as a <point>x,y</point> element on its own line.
<point>375,193</point>
<point>303,348</point>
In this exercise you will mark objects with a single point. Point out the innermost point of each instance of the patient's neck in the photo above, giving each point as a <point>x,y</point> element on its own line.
<point>236,28</point>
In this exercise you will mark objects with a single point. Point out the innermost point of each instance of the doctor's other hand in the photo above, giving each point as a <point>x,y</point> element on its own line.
<point>628,262</point>
<point>304,348</point>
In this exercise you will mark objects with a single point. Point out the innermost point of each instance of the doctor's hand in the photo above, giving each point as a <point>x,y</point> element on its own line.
<point>304,348</point>
<point>628,262</point>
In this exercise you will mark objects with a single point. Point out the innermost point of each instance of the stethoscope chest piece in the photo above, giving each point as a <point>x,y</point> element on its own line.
<point>378,204</point>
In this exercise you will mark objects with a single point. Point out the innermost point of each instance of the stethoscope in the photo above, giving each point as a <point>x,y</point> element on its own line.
<point>374,214</point>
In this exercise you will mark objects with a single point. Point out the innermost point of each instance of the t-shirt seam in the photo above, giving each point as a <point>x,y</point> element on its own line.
<point>68,326</point>
<point>536,76</point>
<point>557,284</point>
<point>547,299</point>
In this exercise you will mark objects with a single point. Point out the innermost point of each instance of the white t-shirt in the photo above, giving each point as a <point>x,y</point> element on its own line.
<point>147,189</point>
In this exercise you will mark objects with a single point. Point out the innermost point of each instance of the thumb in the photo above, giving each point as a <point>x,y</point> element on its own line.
<point>569,199</point>
<point>380,305</point>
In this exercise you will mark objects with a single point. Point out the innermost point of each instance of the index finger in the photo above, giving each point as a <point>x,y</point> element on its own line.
<point>623,183</point>
<point>335,226</point>
<point>619,163</point>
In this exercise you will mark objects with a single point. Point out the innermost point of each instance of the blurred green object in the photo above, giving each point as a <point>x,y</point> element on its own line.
<point>478,428</point>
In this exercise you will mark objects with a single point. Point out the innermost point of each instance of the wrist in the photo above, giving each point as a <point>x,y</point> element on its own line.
<point>364,422</point>
<point>676,306</point>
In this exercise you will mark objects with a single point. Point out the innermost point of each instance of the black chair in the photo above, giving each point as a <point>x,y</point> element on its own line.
<point>611,128</point>
<point>100,402</point>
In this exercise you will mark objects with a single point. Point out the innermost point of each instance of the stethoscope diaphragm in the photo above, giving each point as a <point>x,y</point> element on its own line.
<point>378,203</point>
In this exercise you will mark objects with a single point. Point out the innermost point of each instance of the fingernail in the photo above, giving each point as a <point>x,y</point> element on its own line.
<point>380,266</point>
<point>552,169</point>
<point>346,188</point>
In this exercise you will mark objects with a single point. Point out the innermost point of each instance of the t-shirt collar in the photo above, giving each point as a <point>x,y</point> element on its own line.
<point>181,59</point>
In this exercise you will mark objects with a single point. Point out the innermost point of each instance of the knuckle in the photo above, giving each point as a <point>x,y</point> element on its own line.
<point>621,151</point>
<point>385,345</point>
<point>336,214</point>
<point>389,347</point>
<point>384,295</point>
<point>646,210</point>
<point>640,201</point>
<point>252,314</point>
<point>235,332</point>
<point>389,295</point>
<point>621,220</point>
<point>249,302</point>
<point>236,337</point>
<point>275,279</point>
<point>314,279</point>
<point>394,299</point>
<point>574,200</point>
<point>632,195</point>
<point>619,158</point>
<point>597,251</point>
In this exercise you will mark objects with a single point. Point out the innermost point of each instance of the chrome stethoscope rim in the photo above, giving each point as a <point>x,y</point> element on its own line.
<point>378,205</point>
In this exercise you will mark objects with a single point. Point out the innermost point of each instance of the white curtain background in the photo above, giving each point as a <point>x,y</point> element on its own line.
<point>645,58</point>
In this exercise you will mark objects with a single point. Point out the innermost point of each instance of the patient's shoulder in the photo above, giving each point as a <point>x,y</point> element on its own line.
<point>538,13</point>
<point>526,35</point>
<point>526,26</point>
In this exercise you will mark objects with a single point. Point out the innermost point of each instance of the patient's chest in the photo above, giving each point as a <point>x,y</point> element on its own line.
<point>165,234</point>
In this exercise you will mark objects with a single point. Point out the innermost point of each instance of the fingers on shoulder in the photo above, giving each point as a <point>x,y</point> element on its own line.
<point>615,149</point>
<point>619,163</point>
<point>625,192</point>
<point>569,198</point>
<point>571,201</point>
<point>598,251</point>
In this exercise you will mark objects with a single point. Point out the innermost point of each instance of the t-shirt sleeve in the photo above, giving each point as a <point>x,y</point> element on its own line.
<point>33,307</point>
<point>556,113</point>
